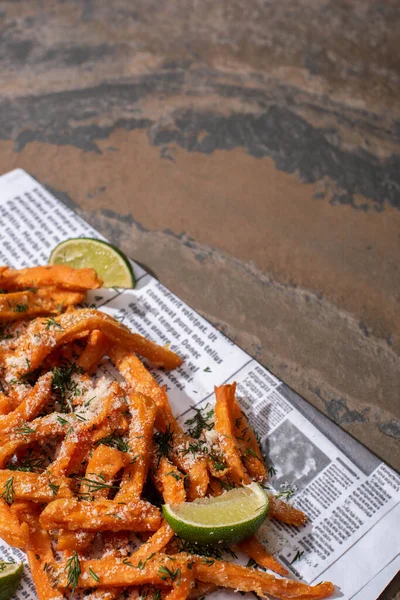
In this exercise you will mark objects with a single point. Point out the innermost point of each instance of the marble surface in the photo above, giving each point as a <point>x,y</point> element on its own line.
<point>248,153</point>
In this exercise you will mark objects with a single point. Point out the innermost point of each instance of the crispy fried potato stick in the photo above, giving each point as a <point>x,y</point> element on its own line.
<point>255,550</point>
<point>72,325</point>
<point>60,276</point>
<point>30,406</point>
<point>53,425</point>
<point>285,512</point>
<point>11,531</point>
<point>140,380</point>
<point>80,440</point>
<point>96,348</point>
<point>247,441</point>
<point>250,580</point>
<point>201,589</point>
<point>101,470</point>
<point>224,425</point>
<point>157,542</point>
<point>40,556</point>
<point>5,404</point>
<point>143,412</point>
<point>34,487</point>
<point>22,305</point>
<point>168,480</point>
<point>100,515</point>
<point>120,572</point>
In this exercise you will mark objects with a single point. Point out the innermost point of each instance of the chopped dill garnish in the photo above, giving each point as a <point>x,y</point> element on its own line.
<point>113,440</point>
<point>95,485</point>
<point>54,488</point>
<point>53,323</point>
<point>24,429</point>
<point>163,441</point>
<point>250,452</point>
<point>29,463</point>
<point>202,419</point>
<point>20,308</point>
<point>93,574</point>
<point>73,569</point>
<point>285,494</point>
<point>172,574</point>
<point>297,556</point>
<point>210,552</point>
<point>62,383</point>
<point>9,491</point>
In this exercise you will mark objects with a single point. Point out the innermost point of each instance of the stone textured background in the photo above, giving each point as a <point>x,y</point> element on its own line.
<point>248,153</point>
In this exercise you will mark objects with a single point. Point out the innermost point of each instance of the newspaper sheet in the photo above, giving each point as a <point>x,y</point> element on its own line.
<point>352,498</point>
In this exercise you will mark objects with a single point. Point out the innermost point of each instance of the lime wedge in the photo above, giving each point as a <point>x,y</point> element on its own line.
<point>228,519</point>
<point>10,576</point>
<point>110,263</point>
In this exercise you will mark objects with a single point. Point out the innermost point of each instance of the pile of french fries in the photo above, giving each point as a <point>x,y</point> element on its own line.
<point>86,460</point>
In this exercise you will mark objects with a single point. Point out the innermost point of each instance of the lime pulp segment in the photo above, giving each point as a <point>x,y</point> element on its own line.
<point>108,261</point>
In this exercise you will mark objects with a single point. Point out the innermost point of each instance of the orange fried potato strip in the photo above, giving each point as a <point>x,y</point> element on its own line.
<point>10,529</point>
<point>40,556</point>
<point>168,480</point>
<point>247,441</point>
<point>22,305</point>
<point>255,550</point>
<point>101,470</point>
<point>32,404</point>
<point>100,515</point>
<point>112,571</point>
<point>224,425</point>
<point>285,512</point>
<point>96,348</point>
<point>60,276</point>
<point>235,576</point>
<point>38,488</point>
<point>143,413</point>
<point>72,325</point>
<point>140,380</point>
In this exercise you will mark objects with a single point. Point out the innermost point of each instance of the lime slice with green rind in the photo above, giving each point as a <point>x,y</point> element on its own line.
<point>10,576</point>
<point>111,265</point>
<point>227,519</point>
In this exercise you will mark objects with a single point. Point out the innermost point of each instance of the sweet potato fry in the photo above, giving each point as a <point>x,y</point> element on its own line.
<point>102,467</point>
<point>201,589</point>
<point>60,276</point>
<point>71,326</point>
<point>100,515</point>
<point>255,550</point>
<point>10,529</point>
<point>40,557</point>
<point>247,441</point>
<point>80,439</point>
<point>30,406</point>
<point>5,404</point>
<point>37,488</point>
<point>285,512</point>
<point>250,580</point>
<point>157,542</point>
<point>143,413</point>
<point>53,425</point>
<point>224,425</point>
<point>96,348</point>
<point>139,378</point>
<point>161,570</point>
<point>22,305</point>
<point>169,480</point>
